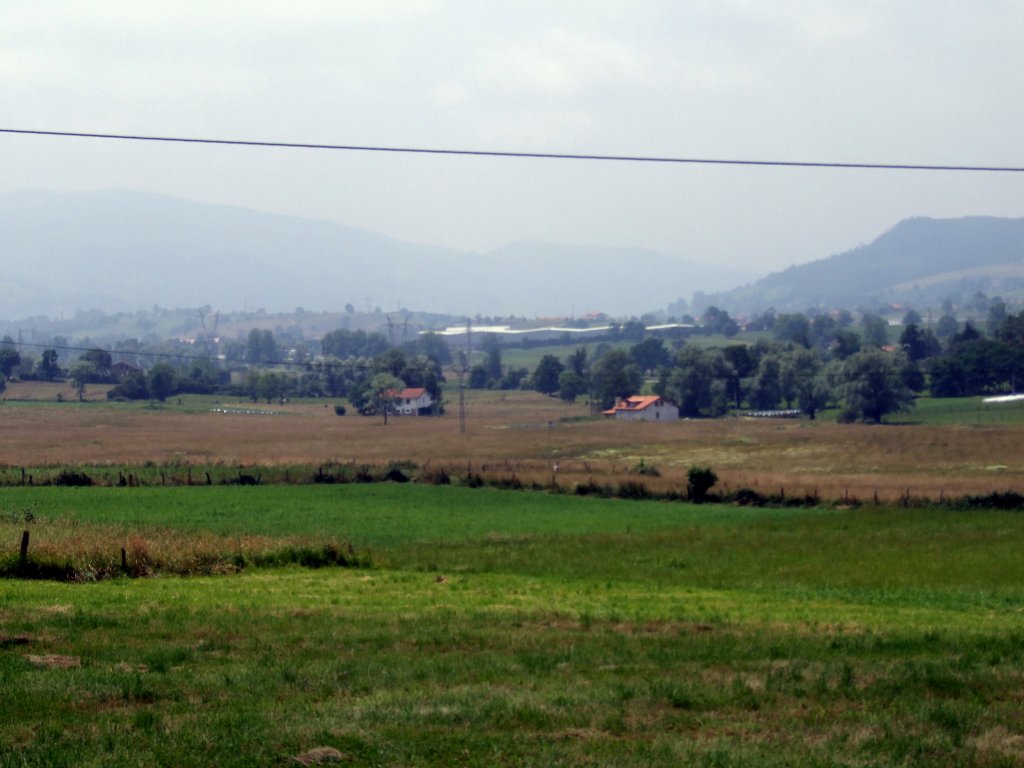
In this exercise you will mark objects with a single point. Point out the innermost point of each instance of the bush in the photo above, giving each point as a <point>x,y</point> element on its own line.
<point>647,470</point>
<point>435,476</point>
<point>339,410</point>
<point>394,474</point>
<point>747,497</point>
<point>1009,500</point>
<point>632,490</point>
<point>507,483</point>
<point>590,488</point>
<point>699,480</point>
<point>71,477</point>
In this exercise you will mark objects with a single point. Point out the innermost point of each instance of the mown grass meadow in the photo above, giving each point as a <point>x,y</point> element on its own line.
<point>490,627</point>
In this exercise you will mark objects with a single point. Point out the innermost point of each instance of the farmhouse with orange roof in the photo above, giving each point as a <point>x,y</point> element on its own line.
<point>644,408</point>
<point>413,401</point>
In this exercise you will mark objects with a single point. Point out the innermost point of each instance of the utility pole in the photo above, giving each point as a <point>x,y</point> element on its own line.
<point>462,371</point>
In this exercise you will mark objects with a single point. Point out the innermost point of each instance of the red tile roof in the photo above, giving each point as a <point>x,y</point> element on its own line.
<point>411,393</point>
<point>634,403</point>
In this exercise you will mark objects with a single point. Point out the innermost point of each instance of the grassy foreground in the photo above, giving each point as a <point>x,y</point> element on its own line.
<point>521,629</point>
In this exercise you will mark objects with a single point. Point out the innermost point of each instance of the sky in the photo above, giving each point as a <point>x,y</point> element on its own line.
<point>912,81</point>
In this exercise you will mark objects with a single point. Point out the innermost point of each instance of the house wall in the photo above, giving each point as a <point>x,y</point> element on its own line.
<point>412,407</point>
<point>663,412</point>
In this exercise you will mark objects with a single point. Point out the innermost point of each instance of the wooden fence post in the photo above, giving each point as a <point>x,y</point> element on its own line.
<point>24,549</point>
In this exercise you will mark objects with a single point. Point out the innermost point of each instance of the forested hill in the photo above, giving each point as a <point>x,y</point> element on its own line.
<point>918,262</point>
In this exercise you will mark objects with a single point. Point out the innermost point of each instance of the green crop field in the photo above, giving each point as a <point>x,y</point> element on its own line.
<point>485,627</point>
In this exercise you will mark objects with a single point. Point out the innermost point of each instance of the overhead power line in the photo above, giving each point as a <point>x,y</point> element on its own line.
<point>523,155</point>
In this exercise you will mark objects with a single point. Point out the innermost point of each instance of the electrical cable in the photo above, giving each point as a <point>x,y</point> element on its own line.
<point>524,155</point>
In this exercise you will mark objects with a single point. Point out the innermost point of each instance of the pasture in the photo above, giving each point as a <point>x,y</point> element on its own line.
<point>499,628</point>
<point>944,448</point>
<point>450,625</point>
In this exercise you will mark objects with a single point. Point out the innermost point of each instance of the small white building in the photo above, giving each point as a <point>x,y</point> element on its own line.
<point>413,401</point>
<point>644,408</point>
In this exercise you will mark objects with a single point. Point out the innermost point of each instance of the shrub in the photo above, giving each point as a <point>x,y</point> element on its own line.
<point>632,490</point>
<point>508,483</point>
<point>339,410</point>
<point>395,475</point>
<point>435,476</point>
<point>1009,500</point>
<point>747,497</point>
<point>646,469</point>
<point>590,488</point>
<point>71,477</point>
<point>700,480</point>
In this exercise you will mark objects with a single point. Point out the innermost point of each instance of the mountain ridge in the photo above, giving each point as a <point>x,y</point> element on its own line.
<point>902,265</point>
<point>122,250</point>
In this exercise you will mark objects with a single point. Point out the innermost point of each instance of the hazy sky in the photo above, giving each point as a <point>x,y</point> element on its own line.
<point>912,81</point>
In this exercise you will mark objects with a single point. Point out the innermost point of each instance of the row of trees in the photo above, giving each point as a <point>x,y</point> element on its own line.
<point>867,384</point>
<point>368,383</point>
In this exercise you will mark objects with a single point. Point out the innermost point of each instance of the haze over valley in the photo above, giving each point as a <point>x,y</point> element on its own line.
<point>123,251</point>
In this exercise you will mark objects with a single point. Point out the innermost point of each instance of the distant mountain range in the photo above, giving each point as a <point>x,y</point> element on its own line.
<point>122,251</point>
<point>917,263</point>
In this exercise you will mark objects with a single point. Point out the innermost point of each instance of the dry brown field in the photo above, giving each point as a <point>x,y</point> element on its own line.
<point>525,434</point>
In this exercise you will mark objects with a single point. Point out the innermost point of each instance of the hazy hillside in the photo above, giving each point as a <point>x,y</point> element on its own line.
<point>918,262</point>
<point>127,250</point>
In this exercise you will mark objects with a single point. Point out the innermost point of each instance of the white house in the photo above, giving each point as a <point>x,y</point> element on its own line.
<point>644,408</point>
<point>412,402</point>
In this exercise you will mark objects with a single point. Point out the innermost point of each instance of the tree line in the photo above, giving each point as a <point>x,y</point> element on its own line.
<point>802,363</point>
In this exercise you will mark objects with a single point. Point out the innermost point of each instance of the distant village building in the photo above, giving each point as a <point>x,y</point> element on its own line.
<point>120,370</point>
<point>413,401</point>
<point>644,408</point>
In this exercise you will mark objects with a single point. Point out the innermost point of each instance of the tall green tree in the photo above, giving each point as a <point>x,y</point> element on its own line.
<point>101,362</point>
<point>577,362</point>
<point>48,367</point>
<point>795,328</point>
<point>871,386</point>
<point>546,375</point>
<point>689,383</point>
<point>874,330</point>
<point>433,346</point>
<point>261,347</point>
<point>919,344</point>
<point>383,394</point>
<point>9,360</point>
<point>766,390</point>
<point>571,386</point>
<point>615,375</point>
<point>650,354</point>
<point>161,381</point>
<point>490,344</point>
<point>803,382</point>
<point>81,373</point>
<point>344,343</point>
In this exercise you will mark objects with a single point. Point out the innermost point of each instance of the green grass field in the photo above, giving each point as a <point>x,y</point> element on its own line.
<point>966,411</point>
<point>501,628</point>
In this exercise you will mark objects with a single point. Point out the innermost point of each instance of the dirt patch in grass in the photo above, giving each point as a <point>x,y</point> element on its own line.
<point>53,661</point>
<point>1000,741</point>
<point>320,756</point>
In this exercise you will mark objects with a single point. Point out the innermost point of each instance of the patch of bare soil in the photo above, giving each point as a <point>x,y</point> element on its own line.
<point>320,756</point>
<point>54,661</point>
<point>1001,742</point>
